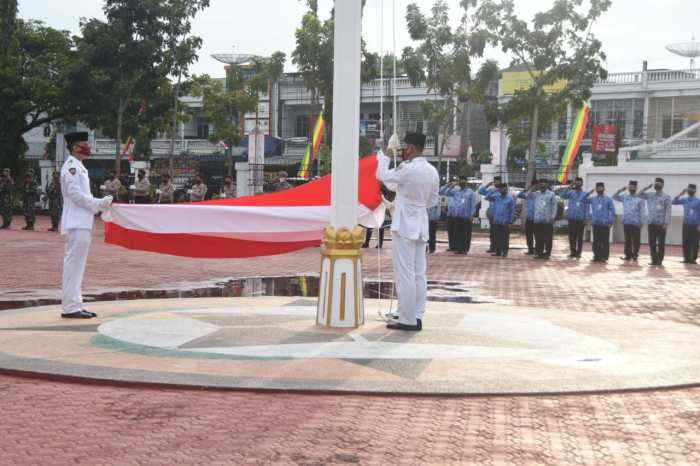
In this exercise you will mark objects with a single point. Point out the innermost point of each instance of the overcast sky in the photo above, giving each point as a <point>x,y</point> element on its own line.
<point>631,31</point>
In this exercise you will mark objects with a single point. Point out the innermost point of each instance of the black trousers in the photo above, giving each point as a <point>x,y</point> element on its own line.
<point>463,234</point>
<point>451,234</point>
<point>657,243</point>
<point>691,237</point>
<point>502,239</point>
<point>576,228</point>
<point>530,235</point>
<point>601,242</point>
<point>633,234</point>
<point>368,237</point>
<point>492,235</point>
<point>544,233</point>
<point>142,200</point>
<point>432,240</point>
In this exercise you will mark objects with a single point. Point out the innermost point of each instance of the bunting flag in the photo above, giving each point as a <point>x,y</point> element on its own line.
<point>251,226</point>
<point>572,148</point>
<point>128,149</point>
<point>313,148</point>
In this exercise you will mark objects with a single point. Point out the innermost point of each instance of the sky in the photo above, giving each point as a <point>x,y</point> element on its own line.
<point>631,30</point>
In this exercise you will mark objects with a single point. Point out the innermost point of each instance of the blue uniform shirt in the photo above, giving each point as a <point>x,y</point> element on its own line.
<point>578,204</point>
<point>434,212</point>
<point>602,210</point>
<point>530,215</point>
<point>502,207</point>
<point>545,206</point>
<point>659,207</point>
<point>451,202</point>
<point>632,207</point>
<point>691,209</point>
<point>463,202</point>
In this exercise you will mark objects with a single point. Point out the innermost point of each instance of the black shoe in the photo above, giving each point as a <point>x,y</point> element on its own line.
<point>88,312</point>
<point>495,254</point>
<point>530,253</point>
<point>489,251</point>
<point>4,227</point>
<point>449,250</point>
<point>78,315</point>
<point>399,326</point>
<point>625,259</point>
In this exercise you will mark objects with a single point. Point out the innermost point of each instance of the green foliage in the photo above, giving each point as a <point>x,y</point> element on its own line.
<point>442,60</point>
<point>142,144</point>
<point>556,45</point>
<point>36,65</point>
<point>365,147</point>
<point>324,160</point>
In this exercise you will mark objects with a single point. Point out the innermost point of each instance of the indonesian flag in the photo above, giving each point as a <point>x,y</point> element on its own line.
<point>251,226</point>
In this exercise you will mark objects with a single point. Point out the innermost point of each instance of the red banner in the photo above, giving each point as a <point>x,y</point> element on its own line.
<point>604,139</point>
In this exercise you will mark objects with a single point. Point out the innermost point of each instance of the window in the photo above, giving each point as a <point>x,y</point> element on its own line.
<point>561,130</point>
<point>302,130</point>
<point>638,124</point>
<point>670,126</point>
<point>202,128</point>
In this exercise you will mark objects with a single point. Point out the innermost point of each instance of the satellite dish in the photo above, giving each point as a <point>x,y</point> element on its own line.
<point>235,58</point>
<point>686,49</point>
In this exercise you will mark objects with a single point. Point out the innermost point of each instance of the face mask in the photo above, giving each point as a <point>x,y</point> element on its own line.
<point>691,193</point>
<point>600,191</point>
<point>658,187</point>
<point>632,190</point>
<point>578,187</point>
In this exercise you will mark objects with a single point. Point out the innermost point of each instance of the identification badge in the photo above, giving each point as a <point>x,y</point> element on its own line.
<point>600,206</point>
<point>72,171</point>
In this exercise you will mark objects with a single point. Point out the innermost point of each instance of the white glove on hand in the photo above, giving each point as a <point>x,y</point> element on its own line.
<point>106,203</point>
<point>394,144</point>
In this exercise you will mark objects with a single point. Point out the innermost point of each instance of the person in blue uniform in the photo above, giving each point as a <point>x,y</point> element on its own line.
<point>451,219</point>
<point>492,232</point>
<point>659,206</point>
<point>632,219</point>
<point>576,216</point>
<point>503,214</point>
<point>602,213</point>
<point>529,220</point>
<point>545,213</point>
<point>463,202</point>
<point>434,214</point>
<point>691,223</point>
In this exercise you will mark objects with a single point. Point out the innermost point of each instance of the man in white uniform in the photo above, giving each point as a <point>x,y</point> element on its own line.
<point>79,209</point>
<point>417,184</point>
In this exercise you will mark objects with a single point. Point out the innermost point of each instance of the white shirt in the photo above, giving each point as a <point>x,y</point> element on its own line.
<point>79,207</point>
<point>417,186</point>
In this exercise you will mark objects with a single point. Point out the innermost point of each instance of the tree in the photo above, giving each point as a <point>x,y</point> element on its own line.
<point>561,56</point>
<point>36,67</point>
<point>443,61</point>
<point>126,59</point>
<point>313,57</point>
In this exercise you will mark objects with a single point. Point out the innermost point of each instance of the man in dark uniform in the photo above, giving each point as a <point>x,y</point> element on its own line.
<point>30,196</point>
<point>53,194</point>
<point>7,189</point>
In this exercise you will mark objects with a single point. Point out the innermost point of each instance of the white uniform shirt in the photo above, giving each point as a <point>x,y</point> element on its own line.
<point>417,186</point>
<point>79,207</point>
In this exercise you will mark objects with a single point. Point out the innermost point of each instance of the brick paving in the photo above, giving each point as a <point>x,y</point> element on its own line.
<point>46,422</point>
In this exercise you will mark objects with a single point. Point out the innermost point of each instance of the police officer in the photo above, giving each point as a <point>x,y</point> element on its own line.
<point>7,189</point>
<point>659,206</point>
<point>30,196</point>
<point>417,186</point>
<point>79,209</point>
<point>166,191</point>
<point>142,188</point>
<point>632,219</point>
<point>691,223</point>
<point>464,205</point>
<point>502,214</point>
<point>53,194</point>
<point>199,190</point>
<point>576,216</point>
<point>546,207</point>
<point>112,185</point>
<point>529,220</point>
<point>228,189</point>
<point>602,213</point>
<point>434,215</point>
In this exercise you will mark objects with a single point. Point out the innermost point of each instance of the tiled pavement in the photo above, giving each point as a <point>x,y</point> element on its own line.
<point>45,422</point>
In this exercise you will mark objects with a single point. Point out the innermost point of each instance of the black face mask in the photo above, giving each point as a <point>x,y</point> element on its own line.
<point>659,187</point>
<point>633,190</point>
<point>691,193</point>
<point>577,187</point>
<point>600,191</point>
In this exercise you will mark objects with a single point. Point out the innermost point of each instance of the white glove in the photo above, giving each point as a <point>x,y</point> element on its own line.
<point>106,203</point>
<point>394,144</point>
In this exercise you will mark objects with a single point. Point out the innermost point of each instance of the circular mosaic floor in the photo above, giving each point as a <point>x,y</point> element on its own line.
<point>272,343</point>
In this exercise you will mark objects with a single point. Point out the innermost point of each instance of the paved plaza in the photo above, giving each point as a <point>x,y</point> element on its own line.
<point>559,362</point>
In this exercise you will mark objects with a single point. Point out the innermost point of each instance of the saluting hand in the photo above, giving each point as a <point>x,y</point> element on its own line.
<point>683,192</point>
<point>648,187</point>
<point>591,192</point>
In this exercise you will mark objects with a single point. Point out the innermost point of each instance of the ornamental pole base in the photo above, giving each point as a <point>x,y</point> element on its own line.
<point>341,300</point>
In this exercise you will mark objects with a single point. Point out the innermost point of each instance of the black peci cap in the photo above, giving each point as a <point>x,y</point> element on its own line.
<point>659,180</point>
<point>692,186</point>
<point>415,139</point>
<point>72,138</point>
<point>600,184</point>
<point>633,183</point>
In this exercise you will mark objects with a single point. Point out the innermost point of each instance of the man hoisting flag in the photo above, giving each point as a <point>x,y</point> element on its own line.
<point>416,184</point>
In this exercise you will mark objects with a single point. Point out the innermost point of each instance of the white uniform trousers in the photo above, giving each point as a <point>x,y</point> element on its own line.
<point>74,260</point>
<point>410,277</point>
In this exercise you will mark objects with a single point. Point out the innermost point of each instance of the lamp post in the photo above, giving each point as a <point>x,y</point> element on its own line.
<point>340,303</point>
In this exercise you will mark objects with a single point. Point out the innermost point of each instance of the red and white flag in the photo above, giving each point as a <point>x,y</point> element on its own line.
<point>251,226</point>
